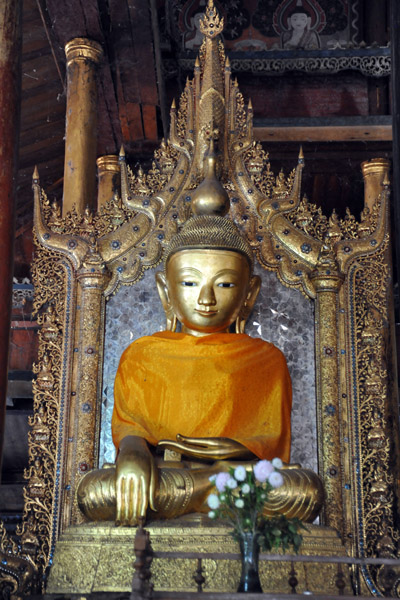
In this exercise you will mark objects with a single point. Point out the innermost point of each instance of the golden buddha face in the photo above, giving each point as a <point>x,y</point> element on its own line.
<point>206,289</point>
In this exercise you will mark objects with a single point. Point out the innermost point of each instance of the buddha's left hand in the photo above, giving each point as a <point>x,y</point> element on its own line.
<point>207,447</point>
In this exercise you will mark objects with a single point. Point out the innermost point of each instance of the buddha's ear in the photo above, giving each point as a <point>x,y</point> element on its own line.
<point>162,288</point>
<point>254,288</point>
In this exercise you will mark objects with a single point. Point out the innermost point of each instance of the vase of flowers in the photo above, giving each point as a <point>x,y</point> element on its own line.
<point>241,494</point>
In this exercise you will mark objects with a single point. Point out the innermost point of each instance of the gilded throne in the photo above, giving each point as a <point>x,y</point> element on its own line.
<point>333,276</point>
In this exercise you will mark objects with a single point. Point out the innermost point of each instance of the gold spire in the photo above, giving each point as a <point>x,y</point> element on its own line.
<point>35,175</point>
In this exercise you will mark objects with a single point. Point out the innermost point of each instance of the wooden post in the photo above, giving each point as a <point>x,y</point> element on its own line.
<point>10,98</point>
<point>81,124</point>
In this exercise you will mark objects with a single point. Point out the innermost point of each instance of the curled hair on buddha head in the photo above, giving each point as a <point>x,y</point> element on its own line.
<point>210,232</point>
<point>209,228</point>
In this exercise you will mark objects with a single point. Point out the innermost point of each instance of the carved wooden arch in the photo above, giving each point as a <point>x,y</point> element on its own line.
<point>344,265</point>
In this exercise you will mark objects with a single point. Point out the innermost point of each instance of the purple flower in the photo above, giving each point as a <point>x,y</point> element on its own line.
<point>262,470</point>
<point>220,481</point>
<point>275,479</point>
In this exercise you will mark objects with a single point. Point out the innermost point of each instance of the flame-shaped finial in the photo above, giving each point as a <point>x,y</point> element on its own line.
<point>211,24</point>
<point>301,155</point>
<point>35,176</point>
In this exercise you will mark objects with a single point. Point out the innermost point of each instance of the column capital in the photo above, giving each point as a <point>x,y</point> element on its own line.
<point>108,163</point>
<point>83,49</point>
<point>375,173</point>
<point>326,276</point>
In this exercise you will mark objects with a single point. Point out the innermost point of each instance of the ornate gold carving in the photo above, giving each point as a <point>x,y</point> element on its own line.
<point>376,443</point>
<point>107,552</point>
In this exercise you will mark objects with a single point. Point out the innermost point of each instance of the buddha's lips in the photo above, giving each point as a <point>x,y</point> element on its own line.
<point>206,313</point>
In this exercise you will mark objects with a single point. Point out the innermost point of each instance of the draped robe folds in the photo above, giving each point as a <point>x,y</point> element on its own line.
<point>219,385</point>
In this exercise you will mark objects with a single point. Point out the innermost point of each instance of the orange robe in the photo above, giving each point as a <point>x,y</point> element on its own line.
<point>220,385</point>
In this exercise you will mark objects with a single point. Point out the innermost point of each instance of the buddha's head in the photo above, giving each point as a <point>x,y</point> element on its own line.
<point>207,283</point>
<point>299,18</point>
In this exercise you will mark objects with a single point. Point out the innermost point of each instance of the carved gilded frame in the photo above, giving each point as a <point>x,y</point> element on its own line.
<point>343,265</point>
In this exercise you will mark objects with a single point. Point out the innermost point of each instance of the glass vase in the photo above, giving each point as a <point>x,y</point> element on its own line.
<point>250,550</point>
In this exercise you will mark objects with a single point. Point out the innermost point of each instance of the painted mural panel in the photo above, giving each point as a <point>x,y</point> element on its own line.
<point>260,25</point>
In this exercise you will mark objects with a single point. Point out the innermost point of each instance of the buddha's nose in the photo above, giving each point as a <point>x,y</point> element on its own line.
<point>207,296</point>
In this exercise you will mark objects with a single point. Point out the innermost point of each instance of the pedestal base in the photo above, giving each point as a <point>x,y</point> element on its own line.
<point>99,558</point>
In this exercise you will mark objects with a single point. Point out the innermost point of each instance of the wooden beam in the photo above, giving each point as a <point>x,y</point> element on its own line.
<point>350,129</point>
<point>356,133</point>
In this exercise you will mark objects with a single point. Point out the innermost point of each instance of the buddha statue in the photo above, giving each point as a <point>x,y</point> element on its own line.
<point>205,394</point>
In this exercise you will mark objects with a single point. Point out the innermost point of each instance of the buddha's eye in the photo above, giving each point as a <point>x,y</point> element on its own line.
<point>225,284</point>
<point>189,283</point>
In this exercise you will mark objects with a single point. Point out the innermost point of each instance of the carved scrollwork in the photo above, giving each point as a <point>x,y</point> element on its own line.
<point>370,62</point>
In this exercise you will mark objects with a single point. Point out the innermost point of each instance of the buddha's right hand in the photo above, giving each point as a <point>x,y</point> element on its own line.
<point>136,480</point>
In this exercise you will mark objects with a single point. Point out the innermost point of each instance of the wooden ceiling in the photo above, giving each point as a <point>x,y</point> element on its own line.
<point>134,99</point>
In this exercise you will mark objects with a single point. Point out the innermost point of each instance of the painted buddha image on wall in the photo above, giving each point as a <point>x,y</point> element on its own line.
<point>301,32</point>
<point>207,395</point>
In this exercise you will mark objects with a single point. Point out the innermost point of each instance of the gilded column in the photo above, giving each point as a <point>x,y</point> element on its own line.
<point>109,179</point>
<point>10,84</point>
<point>81,124</point>
<point>86,378</point>
<point>327,281</point>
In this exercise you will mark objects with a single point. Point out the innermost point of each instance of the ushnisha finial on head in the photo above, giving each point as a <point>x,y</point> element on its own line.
<point>208,228</point>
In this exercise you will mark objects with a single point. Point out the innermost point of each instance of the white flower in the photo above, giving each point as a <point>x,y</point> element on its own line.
<point>239,503</point>
<point>246,489</point>
<point>211,514</point>
<point>275,479</point>
<point>222,497</point>
<point>213,501</point>
<point>277,463</point>
<point>231,483</point>
<point>212,478</point>
<point>240,473</point>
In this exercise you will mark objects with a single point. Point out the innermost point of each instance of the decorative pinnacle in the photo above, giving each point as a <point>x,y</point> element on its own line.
<point>211,23</point>
<point>173,105</point>
<point>197,63</point>
<point>250,106</point>
<point>386,180</point>
<point>301,155</point>
<point>122,151</point>
<point>227,63</point>
<point>35,175</point>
